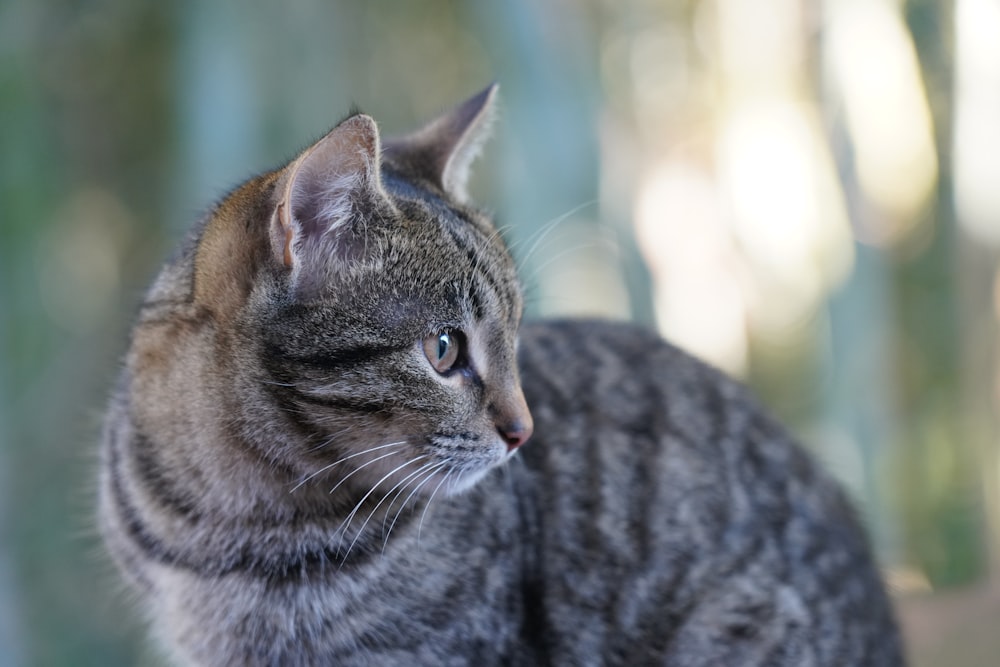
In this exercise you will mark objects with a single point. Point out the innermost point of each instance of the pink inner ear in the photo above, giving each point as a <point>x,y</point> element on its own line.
<point>331,189</point>
<point>327,187</point>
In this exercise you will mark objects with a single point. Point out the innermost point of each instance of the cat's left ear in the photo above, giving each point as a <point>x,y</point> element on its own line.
<point>327,196</point>
<point>443,150</point>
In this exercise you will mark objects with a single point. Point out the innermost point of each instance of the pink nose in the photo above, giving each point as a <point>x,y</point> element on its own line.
<point>515,433</point>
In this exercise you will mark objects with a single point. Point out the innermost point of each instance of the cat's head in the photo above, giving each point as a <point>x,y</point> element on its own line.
<point>375,318</point>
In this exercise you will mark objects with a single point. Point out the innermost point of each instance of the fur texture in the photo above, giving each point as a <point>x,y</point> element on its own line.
<point>293,475</point>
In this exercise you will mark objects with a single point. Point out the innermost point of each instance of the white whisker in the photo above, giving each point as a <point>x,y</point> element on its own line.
<point>428,477</point>
<point>548,227</point>
<point>379,504</point>
<point>596,243</point>
<point>481,250</point>
<point>339,461</point>
<point>404,483</point>
<point>412,478</point>
<point>363,465</point>
<point>346,522</point>
<point>331,438</point>
<point>457,482</point>
<point>427,506</point>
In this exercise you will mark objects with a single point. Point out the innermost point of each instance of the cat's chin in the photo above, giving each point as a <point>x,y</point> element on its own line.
<point>461,480</point>
<point>462,483</point>
<point>464,467</point>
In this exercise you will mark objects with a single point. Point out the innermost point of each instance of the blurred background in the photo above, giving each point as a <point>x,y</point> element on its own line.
<point>804,192</point>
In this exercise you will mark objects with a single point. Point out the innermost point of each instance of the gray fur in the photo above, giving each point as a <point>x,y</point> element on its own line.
<point>656,516</point>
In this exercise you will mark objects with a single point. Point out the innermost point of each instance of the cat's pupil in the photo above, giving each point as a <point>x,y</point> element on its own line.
<point>444,342</point>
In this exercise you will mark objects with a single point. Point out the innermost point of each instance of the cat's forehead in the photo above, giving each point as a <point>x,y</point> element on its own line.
<point>423,203</point>
<point>456,237</point>
<point>435,262</point>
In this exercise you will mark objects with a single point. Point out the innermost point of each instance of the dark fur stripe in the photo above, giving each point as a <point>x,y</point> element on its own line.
<point>277,568</point>
<point>149,545</point>
<point>298,396</point>
<point>152,475</point>
<point>331,360</point>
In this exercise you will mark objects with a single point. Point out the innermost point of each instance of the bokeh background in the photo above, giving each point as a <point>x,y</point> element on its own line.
<point>804,192</point>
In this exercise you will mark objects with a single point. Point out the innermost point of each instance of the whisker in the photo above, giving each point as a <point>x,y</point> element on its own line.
<point>481,250</point>
<point>331,438</point>
<point>428,477</point>
<point>404,483</point>
<point>339,461</point>
<point>453,484</point>
<point>359,468</point>
<point>596,243</point>
<point>427,506</point>
<point>412,478</point>
<point>279,384</point>
<point>548,227</point>
<point>379,504</point>
<point>346,522</point>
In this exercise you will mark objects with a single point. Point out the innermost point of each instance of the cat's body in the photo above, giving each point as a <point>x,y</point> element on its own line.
<point>300,469</point>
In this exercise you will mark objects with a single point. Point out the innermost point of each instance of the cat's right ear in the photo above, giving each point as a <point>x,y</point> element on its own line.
<point>327,194</point>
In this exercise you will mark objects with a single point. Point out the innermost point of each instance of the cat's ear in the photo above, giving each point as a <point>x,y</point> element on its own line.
<point>326,196</point>
<point>443,150</point>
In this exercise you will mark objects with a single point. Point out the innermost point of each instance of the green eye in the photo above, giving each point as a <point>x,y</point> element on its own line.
<point>442,350</point>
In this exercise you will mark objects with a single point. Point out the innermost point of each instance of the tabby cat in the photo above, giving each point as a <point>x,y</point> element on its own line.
<point>313,455</point>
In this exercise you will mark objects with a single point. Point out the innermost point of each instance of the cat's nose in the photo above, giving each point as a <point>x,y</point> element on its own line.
<point>511,416</point>
<point>515,433</point>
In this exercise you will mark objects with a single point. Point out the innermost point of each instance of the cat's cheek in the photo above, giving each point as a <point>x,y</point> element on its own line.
<point>459,380</point>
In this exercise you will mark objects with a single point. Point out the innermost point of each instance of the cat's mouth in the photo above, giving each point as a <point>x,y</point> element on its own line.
<point>466,458</point>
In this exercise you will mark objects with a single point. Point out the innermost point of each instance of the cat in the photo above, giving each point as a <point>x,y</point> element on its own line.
<point>333,443</point>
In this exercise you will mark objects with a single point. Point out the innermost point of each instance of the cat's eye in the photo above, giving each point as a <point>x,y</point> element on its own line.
<point>442,350</point>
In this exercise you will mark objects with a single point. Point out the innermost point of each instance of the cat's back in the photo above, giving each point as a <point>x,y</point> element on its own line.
<point>672,517</point>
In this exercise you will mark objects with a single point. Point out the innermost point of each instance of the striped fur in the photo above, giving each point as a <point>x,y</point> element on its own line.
<point>288,481</point>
